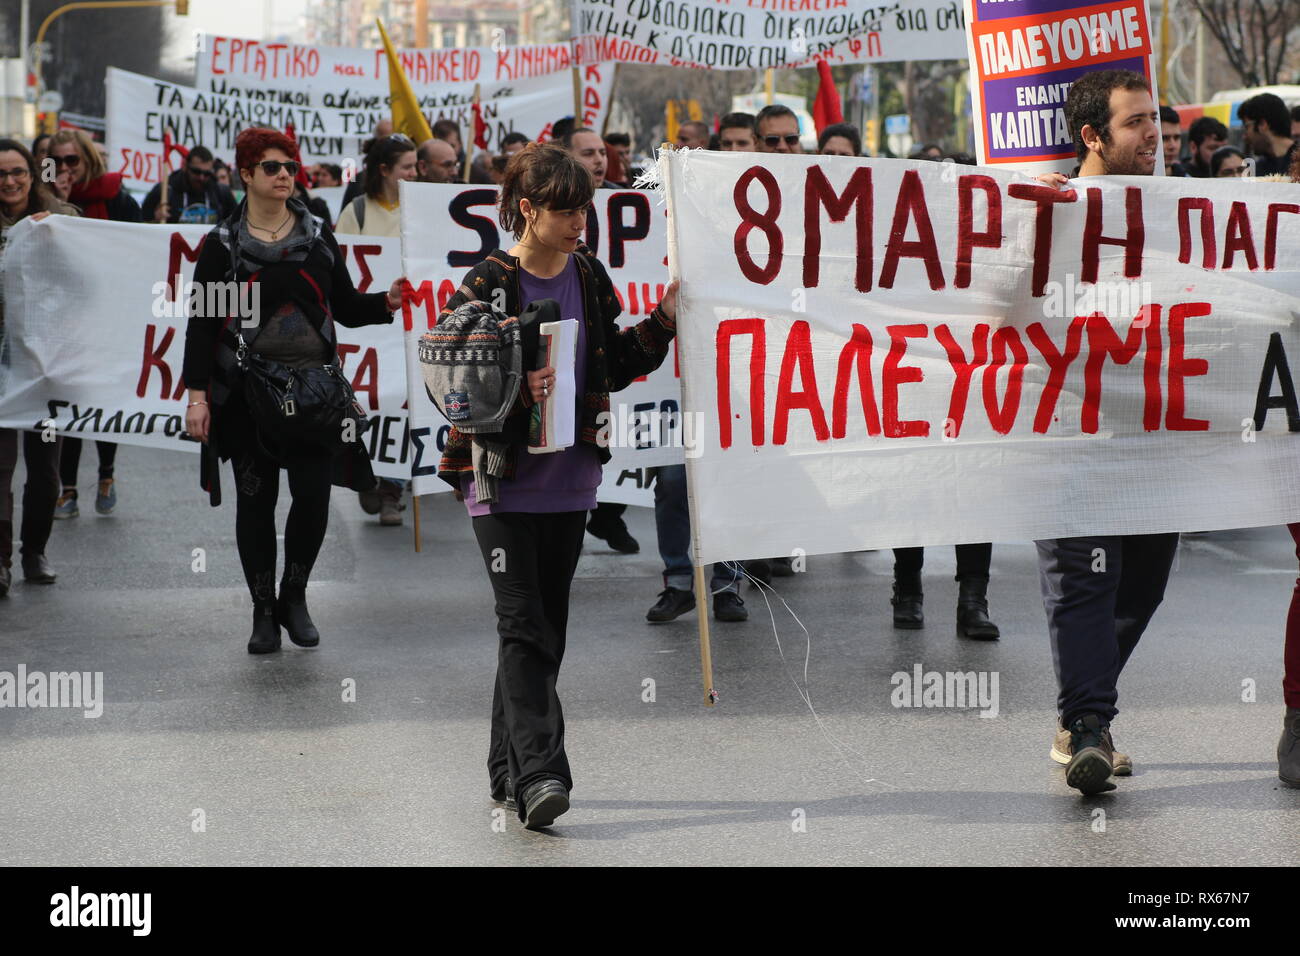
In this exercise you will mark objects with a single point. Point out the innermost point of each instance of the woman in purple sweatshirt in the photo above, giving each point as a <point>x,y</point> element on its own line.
<point>531,534</point>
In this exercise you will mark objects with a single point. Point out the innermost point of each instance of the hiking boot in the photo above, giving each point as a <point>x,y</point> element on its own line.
<point>672,604</point>
<point>1288,749</point>
<point>66,506</point>
<point>1062,750</point>
<point>106,497</point>
<point>973,610</point>
<point>1093,759</point>
<point>727,606</point>
<point>907,601</point>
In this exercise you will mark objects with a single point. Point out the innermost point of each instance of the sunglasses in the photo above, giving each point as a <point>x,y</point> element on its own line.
<point>402,138</point>
<point>773,141</point>
<point>16,174</point>
<point>72,161</point>
<point>202,173</point>
<point>272,167</point>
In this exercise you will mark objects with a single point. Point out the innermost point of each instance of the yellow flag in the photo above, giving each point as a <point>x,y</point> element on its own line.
<point>407,117</point>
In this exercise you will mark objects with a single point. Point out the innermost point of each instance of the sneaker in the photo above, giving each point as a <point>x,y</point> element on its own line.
<point>66,506</point>
<point>106,497</point>
<point>672,604</point>
<point>1093,757</point>
<point>1063,750</point>
<point>727,606</point>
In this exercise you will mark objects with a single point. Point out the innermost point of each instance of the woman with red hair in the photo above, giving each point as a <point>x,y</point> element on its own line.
<point>273,247</point>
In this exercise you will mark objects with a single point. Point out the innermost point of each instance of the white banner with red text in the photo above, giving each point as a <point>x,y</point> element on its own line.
<point>522,89</point>
<point>94,335</point>
<point>889,354</point>
<point>448,229</point>
<point>767,34</point>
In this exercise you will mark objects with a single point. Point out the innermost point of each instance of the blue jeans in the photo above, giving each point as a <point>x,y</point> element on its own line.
<point>673,522</point>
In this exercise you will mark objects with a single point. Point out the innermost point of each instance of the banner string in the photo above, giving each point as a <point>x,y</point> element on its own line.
<point>803,692</point>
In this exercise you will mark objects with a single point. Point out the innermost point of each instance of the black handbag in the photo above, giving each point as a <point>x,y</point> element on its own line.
<point>312,407</point>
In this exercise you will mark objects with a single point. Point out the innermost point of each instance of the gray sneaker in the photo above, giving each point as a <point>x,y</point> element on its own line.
<point>66,506</point>
<point>106,497</point>
<point>1288,749</point>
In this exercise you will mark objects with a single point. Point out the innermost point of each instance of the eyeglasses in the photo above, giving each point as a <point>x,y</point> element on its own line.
<point>272,167</point>
<point>17,174</point>
<point>773,141</point>
<point>203,173</point>
<point>72,161</point>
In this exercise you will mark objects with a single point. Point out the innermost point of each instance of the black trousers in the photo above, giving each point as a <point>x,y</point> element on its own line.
<point>40,493</point>
<point>530,559</point>
<point>71,460</point>
<point>1099,594</point>
<point>973,560</point>
<point>257,488</point>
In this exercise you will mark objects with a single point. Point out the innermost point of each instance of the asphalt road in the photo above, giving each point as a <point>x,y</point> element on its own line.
<point>278,767</point>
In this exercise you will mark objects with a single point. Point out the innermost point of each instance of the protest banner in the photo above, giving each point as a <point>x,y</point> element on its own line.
<point>523,88</point>
<point>766,34</point>
<point>95,317</point>
<point>1025,54</point>
<point>892,354</point>
<point>141,109</point>
<point>447,229</point>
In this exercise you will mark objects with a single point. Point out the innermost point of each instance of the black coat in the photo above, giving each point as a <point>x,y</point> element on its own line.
<point>321,287</point>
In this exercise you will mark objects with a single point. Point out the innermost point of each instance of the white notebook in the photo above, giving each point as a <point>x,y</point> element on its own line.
<point>554,423</point>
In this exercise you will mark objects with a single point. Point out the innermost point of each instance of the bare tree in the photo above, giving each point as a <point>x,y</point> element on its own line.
<point>1254,35</point>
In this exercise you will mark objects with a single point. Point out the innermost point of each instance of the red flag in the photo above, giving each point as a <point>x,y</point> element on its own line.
<point>302,179</point>
<point>826,107</point>
<point>170,147</point>
<point>480,127</point>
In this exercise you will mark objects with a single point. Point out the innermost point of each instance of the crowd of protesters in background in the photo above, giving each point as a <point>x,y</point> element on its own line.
<point>66,174</point>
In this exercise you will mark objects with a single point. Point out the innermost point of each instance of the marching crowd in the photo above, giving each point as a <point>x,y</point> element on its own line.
<point>268,227</point>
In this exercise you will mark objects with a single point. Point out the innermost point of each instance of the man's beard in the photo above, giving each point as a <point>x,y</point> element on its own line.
<point>1124,163</point>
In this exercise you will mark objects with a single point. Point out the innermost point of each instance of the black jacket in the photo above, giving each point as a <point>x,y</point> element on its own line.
<point>320,286</point>
<point>179,196</point>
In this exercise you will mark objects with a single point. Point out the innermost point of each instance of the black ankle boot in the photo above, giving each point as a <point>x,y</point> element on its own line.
<point>266,632</point>
<point>907,601</point>
<point>973,610</point>
<point>291,609</point>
